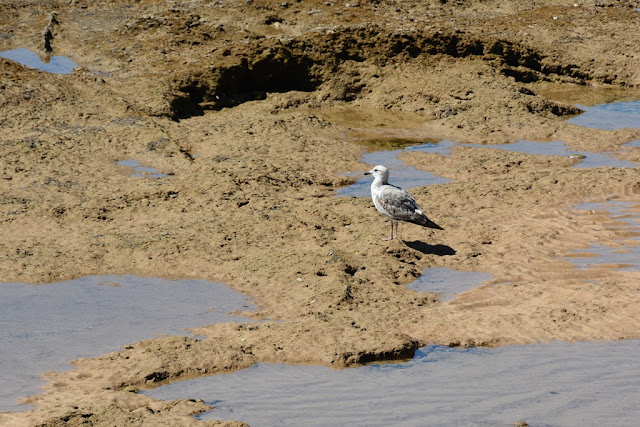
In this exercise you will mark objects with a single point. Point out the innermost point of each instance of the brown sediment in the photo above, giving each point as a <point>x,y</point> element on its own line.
<point>249,120</point>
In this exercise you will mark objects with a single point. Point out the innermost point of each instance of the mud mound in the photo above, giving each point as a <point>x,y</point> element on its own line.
<point>251,70</point>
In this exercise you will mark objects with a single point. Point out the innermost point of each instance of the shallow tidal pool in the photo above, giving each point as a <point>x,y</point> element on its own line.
<point>559,383</point>
<point>43,327</point>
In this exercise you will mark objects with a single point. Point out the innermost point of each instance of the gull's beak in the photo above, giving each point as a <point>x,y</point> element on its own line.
<point>367,173</point>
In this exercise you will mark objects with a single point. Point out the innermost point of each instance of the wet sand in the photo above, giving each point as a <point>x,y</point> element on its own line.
<point>255,111</point>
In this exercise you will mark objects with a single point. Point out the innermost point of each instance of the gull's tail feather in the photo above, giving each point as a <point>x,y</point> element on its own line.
<point>426,222</point>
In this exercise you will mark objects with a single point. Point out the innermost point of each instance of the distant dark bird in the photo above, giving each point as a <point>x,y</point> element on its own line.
<point>395,203</point>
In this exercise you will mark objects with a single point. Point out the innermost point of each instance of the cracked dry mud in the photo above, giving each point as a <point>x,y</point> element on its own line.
<point>254,109</point>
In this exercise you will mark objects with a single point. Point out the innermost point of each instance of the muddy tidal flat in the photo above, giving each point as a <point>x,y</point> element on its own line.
<point>218,140</point>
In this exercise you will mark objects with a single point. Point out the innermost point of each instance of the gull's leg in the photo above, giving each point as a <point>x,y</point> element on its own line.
<point>391,235</point>
<point>396,233</point>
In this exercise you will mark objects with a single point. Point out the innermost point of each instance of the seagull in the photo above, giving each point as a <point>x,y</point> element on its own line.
<point>395,203</point>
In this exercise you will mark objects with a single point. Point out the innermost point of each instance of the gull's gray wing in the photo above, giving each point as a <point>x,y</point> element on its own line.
<point>402,207</point>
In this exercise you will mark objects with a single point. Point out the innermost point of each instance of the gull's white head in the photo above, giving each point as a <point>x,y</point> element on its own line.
<point>380,173</point>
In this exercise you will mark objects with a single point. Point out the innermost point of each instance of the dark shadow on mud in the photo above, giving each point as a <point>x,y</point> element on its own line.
<point>425,248</point>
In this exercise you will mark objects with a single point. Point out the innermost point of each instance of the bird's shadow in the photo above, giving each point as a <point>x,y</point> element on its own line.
<point>440,250</point>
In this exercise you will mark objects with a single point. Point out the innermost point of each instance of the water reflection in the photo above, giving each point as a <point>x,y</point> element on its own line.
<point>55,64</point>
<point>43,327</point>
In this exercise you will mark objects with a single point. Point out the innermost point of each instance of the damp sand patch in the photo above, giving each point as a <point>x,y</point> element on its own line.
<point>141,171</point>
<point>558,148</point>
<point>447,282</point>
<point>585,96</point>
<point>43,327</point>
<point>362,119</point>
<point>621,254</point>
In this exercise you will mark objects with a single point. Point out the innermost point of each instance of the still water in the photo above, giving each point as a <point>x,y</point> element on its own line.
<point>43,327</point>
<point>55,64</point>
<point>559,383</point>
<point>614,115</point>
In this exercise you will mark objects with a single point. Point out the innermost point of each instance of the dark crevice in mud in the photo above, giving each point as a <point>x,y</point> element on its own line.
<point>275,69</point>
<point>522,75</point>
<point>157,377</point>
<point>405,353</point>
<point>526,65</point>
<point>250,70</point>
